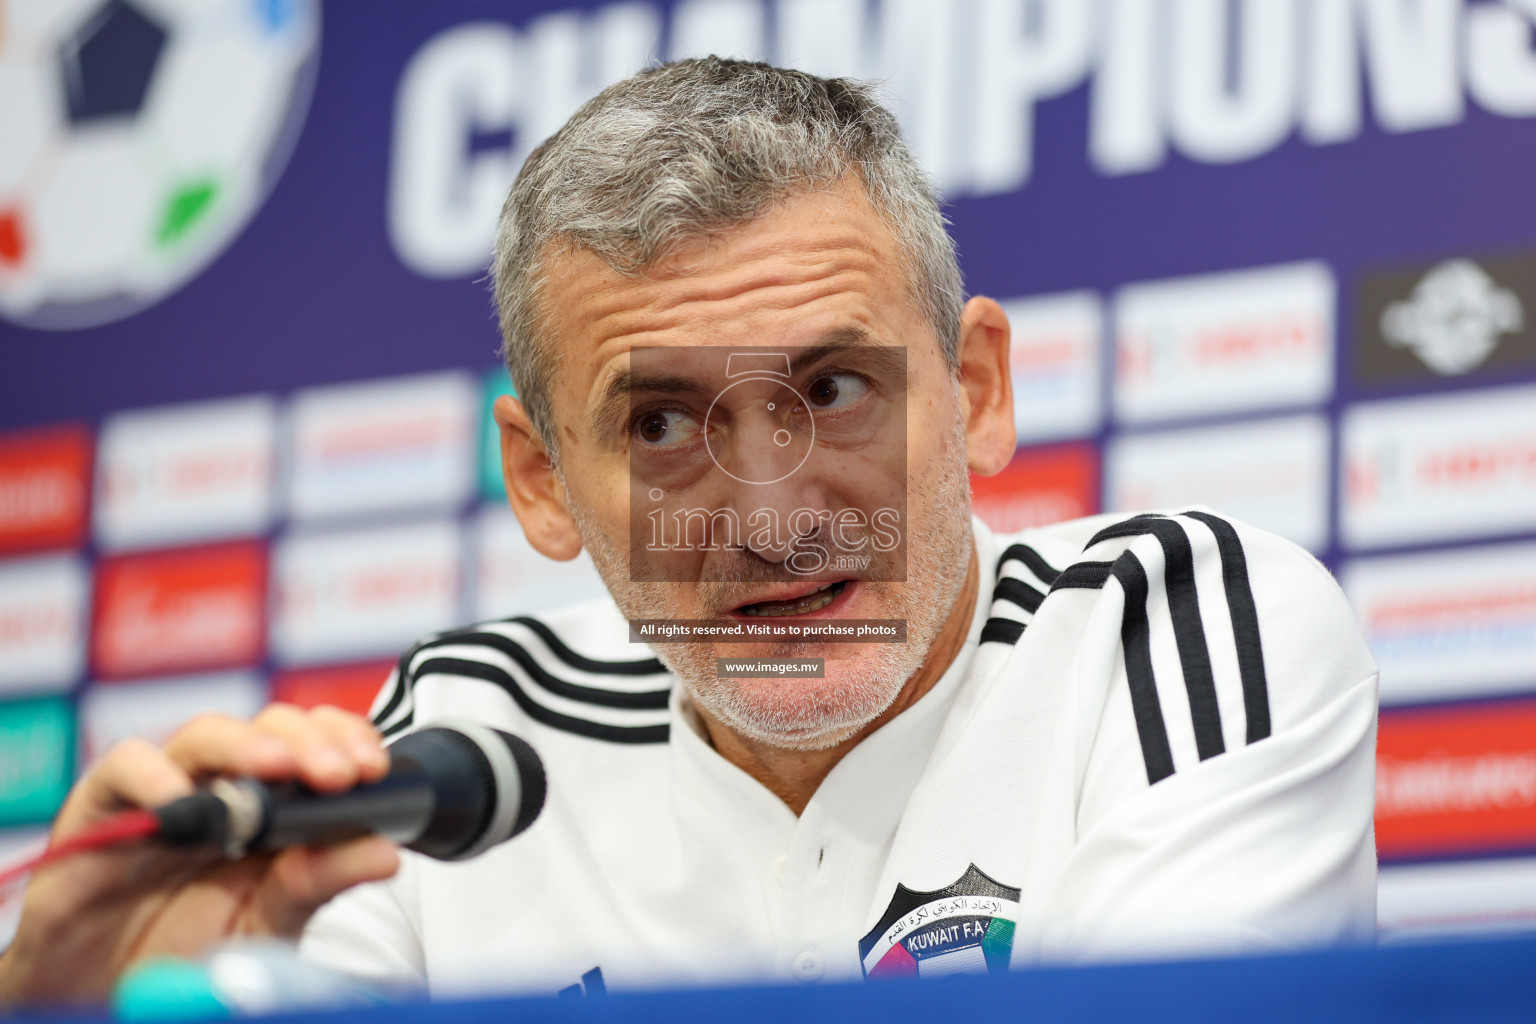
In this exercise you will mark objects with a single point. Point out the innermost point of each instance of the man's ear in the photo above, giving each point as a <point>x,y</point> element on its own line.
<point>986,386</point>
<point>533,489</point>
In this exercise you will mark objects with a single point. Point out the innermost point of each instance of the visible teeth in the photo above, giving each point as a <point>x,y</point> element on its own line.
<point>811,602</point>
<point>800,607</point>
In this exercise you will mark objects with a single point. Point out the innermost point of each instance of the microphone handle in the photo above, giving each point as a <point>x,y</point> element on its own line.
<point>398,806</point>
<point>451,792</point>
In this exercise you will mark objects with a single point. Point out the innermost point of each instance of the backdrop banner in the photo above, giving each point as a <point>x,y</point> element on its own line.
<point>1274,257</point>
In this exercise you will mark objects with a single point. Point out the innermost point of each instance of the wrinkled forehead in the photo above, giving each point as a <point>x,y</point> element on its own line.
<point>818,264</point>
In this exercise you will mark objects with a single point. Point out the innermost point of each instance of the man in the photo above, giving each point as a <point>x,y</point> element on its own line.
<point>733,314</point>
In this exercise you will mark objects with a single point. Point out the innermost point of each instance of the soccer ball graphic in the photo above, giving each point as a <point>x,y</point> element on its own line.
<point>137,137</point>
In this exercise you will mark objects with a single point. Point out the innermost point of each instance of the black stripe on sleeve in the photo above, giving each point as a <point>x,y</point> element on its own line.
<point>639,667</point>
<point>650,700</point>
<point>391,731</point>
<point>534,710</point>
<point>1136,638</point>
<point>1018,592</point>
<point>1082,576</point>
<point>1001,631</point>
<point>1245,623</point>
<point>1032,561</point>
<point>402,686</point>
<point>1188,630</point>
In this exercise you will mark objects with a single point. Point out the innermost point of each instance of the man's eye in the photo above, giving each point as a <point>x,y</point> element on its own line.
<point>665,427</point>
<point>835,391</point>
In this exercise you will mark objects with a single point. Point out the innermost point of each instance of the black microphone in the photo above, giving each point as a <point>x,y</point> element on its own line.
<point>454,790</point>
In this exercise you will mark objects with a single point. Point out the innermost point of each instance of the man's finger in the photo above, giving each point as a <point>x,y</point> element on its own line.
<point>218,745</point>
<point>140,774</point>
<point>357,736</point>
<point>325,761</point>
<point>132,774</point>
<point>303,878</point>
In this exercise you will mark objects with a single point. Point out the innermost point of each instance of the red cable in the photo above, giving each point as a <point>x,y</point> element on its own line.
<point>120,828</point>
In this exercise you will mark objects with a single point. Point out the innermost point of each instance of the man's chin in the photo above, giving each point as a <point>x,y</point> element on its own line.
<point>797,714</point>
<point>816,736</point>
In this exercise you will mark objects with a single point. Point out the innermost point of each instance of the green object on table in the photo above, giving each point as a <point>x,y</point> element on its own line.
<point>167,989</point>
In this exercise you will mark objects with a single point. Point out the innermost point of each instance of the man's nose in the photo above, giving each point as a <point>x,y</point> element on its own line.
<point>777,498</point>
<point>776,518</point>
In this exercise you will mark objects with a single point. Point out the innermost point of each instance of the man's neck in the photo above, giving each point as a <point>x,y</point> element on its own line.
<point>794,775</point>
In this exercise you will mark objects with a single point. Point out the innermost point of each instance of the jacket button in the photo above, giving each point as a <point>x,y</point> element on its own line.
<point>809,966</point>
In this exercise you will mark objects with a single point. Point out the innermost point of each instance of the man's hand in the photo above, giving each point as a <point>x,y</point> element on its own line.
<point>86,918</point>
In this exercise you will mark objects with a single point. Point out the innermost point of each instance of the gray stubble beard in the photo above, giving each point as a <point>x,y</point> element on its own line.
<point>938,553</point>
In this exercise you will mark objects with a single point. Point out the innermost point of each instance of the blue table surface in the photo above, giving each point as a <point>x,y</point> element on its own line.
<point>1487,980</point>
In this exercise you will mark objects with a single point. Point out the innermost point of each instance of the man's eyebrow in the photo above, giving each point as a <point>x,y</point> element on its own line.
<point>833,341</point>
<point>613,399</point>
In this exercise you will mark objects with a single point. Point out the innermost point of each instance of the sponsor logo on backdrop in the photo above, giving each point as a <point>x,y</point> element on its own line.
<point>1439,467</point>
<point>42,622</point>
<point>1197,79</point>
<point>1452,319</point>
<point>349,687</point>
<point>409,442</point>
<point>1038,487</point>
<point>1055,351</point>
<point>154,709</point>
<point>364,593</point>
<point>1248,339</point>
<point>1451,624</point>
<point>37,762</point>
<point>172,611</point>
<point>1456,780</point>
<point>1271,473</point>
<point>44,488</point>
<point>139,139</point>
<point>186,473</point>
<point>1420,901</point>
<point>513,579</point>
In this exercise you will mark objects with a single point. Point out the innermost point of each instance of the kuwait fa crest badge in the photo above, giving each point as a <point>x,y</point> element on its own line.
<point>964,928</point>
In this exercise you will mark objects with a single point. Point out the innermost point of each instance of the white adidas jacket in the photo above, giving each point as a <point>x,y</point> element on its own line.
<point>1158,740</point>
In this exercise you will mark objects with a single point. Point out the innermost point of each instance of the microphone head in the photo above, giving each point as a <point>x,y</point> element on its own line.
<point>488,786</point>
<point>521,799</point>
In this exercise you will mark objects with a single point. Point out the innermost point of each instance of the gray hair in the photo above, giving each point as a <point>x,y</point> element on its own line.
<point>694,147</point>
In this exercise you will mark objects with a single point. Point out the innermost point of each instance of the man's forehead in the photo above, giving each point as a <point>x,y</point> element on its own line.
<point>809,247</point>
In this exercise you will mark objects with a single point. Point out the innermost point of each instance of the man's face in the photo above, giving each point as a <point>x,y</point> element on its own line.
<point>705,493</point>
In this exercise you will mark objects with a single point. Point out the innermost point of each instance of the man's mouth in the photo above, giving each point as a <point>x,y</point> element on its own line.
<point>804,604</point>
